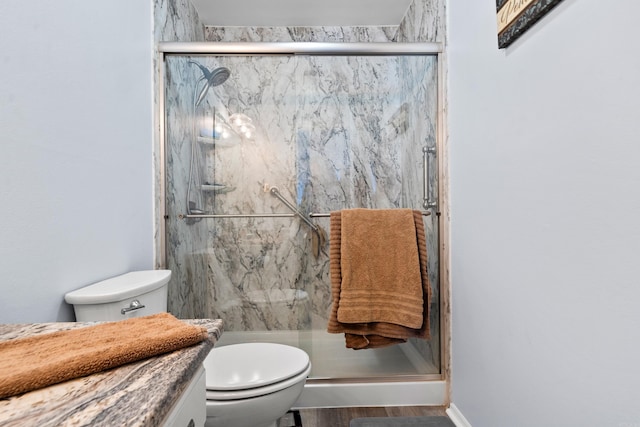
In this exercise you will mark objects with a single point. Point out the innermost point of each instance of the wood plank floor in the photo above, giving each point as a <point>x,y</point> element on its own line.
<point>340,417</point>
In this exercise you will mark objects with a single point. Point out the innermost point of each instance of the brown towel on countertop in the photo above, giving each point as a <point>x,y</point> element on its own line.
<point>379,282</point>
<point>31,363</point>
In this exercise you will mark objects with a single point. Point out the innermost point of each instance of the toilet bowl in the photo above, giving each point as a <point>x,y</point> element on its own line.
<point>253,384</point>
<point>247,384</point>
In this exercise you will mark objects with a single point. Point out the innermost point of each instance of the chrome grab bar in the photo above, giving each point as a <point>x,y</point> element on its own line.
<point>276,193</point>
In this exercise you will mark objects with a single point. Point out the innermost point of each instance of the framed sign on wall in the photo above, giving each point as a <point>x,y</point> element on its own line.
<point>517,16</point>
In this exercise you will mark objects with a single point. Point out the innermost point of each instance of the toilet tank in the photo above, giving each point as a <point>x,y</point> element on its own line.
<point>134,294</point>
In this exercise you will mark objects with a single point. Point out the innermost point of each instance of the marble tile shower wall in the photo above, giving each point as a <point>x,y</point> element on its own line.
<point>424,22</point>
<point>177,20</point>
<point>331,133</point>
<point>301,34</point>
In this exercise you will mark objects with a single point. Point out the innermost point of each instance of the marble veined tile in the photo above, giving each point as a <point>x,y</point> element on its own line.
<point>424,22</point>
<point>300,34</point>
<point>329,132</point>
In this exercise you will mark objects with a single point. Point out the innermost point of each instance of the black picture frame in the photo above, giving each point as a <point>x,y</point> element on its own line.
<point>515,17</point>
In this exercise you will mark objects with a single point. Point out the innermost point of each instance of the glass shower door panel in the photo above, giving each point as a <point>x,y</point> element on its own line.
<point>330,132</point>
<point>362,123</point>
<point>186,240</point>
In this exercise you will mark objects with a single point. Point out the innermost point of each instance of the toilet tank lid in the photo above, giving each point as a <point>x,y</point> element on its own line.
<point>120,287</point>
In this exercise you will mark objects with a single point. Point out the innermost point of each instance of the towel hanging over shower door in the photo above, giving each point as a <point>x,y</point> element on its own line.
<point>379,282</point>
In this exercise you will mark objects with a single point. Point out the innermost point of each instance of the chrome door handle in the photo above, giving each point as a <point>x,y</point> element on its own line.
<point>428,201</point>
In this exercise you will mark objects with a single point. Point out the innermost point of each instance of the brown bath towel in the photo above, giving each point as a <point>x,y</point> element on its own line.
<point>379,282</point>
<point>31,363</point>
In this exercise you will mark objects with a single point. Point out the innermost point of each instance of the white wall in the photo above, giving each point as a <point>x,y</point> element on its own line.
<point>75,151</point>
<point>545,175</point>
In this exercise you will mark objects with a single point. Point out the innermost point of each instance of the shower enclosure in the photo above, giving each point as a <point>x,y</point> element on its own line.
<point>260,141</point>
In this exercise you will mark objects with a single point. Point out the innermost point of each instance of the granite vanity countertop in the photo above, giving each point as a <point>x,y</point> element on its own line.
<point>141,393</point>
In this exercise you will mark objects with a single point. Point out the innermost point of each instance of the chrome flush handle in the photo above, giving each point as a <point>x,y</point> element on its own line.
<point>135,305</point>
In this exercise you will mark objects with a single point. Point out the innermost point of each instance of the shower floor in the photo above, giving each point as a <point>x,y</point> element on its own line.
<point>330,359</point>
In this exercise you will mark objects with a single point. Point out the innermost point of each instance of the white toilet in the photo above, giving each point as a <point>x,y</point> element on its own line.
<point>250,384</point>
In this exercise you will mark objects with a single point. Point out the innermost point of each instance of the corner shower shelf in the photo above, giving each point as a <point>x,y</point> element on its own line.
<point>207,141</point>
<point>217,188</point>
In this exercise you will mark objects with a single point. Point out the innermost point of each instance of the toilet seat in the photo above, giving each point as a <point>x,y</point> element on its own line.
<point>258,391</point>
<point>246,370</point>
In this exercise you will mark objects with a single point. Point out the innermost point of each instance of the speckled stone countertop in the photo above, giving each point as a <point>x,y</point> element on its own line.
<point>142,393</point>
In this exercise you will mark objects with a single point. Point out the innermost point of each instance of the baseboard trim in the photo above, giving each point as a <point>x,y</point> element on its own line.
<point>456,416</point>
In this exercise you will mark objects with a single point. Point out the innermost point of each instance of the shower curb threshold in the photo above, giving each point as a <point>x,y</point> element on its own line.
<point>397,393</point>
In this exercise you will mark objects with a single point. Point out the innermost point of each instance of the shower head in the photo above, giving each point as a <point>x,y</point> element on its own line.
<point>211,79</point>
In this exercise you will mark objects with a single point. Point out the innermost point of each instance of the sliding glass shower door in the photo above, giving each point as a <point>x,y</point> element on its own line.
<point>250,140</point>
